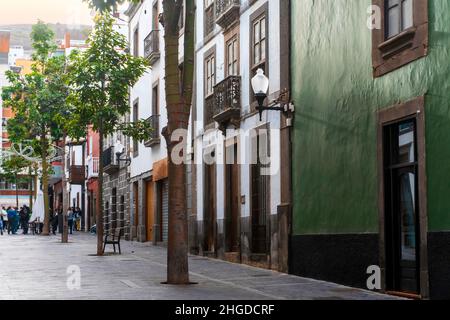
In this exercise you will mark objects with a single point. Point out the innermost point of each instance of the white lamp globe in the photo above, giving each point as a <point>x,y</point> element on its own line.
<point>260,83</point>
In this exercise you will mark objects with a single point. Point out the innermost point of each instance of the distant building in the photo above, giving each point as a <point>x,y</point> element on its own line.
<point>15,52</point>
<point>25,185</point>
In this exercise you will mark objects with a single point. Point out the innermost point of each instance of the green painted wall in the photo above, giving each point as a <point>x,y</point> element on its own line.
<point>336,98</point>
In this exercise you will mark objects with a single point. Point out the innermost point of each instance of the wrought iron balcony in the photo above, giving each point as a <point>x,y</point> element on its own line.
<point>227,12</point>
<point>155,139</point>
<point>92,165</point>
<point>110,163</point>
<point>227,101</point>
<point>151,46</point>
<point>208,110</point>
<point>76,174</point>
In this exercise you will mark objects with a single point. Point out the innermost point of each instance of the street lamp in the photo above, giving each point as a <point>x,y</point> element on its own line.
<point>260,85</point>
<point>119,148</point>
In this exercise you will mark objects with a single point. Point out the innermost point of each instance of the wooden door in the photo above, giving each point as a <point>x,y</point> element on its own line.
<point>136,204</point>
<point>210,208</point>
<point>232,203</point>
<point>150,207</point>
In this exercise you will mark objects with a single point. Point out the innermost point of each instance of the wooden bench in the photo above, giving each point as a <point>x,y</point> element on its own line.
<point>114,239</point>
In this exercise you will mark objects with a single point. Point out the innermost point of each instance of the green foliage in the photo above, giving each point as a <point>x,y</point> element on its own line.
<point>14,166</point>
<point>43,43</point>
<point>100,78</point>
<point>106,5</point>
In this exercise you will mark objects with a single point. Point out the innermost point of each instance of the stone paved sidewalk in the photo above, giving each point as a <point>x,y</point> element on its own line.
<point>35,267</point>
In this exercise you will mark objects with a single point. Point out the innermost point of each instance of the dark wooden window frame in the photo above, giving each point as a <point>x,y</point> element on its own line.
<point>208,9</point>
<point>258,14</point>
<point>233,37</point>
<point>414,109</point>
<point>207,55</point>
<point>136,39</point>
<point>406,47</point>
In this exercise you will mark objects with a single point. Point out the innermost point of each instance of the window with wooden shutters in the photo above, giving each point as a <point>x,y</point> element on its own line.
<point>402,36</point>
<point>232,57</point>
<point>210,67</point>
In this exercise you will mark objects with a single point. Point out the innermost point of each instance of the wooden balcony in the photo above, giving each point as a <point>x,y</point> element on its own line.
<point>227,102</point>
<point>151,47</point>
<point>155,138</point>
<point>110,164</point>
<point>227,12</point>
<point>76,174</point>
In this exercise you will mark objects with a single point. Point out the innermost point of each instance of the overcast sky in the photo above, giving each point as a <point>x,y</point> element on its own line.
<point>74,12</point>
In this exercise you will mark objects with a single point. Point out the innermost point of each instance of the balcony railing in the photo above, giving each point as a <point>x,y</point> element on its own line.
<point>76,174</point>
<point>110,164</point>
<point>92,164</point>
<point>227,12</point>
<point>151,46</point>
<point>208,110</point>
<point>155,139</point>
<point>227,101</point>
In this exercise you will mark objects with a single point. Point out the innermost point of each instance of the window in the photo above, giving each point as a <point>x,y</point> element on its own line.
<point>209,19</point>
<point>210,75</point>
<point>399,16</point>
<point>403,36</point>
<point>232,57</point>
<point>259,41</point>
<point>136,42</point>
<point>155,100</point>
<point>155,14</point>
<point>135,119</point>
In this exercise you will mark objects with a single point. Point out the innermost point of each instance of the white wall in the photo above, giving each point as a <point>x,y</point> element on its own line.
<point>250,122</point>
<point>144,88</point>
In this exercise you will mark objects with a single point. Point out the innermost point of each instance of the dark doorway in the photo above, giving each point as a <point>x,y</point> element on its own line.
<point>232,199</point>
<point>260,195</point>
<point>209,213</point>
<point>402,229</point>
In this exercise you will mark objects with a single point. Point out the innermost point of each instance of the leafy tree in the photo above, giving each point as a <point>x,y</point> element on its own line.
<point>100,79</point>
<point>12,169</point>
<point>36,99</point>
<point>179,87</point>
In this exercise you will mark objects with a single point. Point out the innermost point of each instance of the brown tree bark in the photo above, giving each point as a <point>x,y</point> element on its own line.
<point>99,216</point>
<point>179,99</point>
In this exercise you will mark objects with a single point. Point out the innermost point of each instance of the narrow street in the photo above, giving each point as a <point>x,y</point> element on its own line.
<point>35,267</point>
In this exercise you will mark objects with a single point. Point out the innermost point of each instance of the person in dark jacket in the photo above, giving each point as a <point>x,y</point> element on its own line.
<point>13,220</point>
<point>24,219</point>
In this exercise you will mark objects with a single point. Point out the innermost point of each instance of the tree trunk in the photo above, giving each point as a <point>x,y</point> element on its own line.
<point>30,175</point>
<point>178,110</point>
<point>44,145</point>
<point>17,191</point>
<point>99,219</point>
<point>65,198</point>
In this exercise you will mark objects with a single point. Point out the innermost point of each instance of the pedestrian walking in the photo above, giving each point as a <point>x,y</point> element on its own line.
<point>79,214</point>
<point>1,222</point>
<point>12,220</point>
<point>70,219</point>
<point>24,219</point>
<point>5,218</point>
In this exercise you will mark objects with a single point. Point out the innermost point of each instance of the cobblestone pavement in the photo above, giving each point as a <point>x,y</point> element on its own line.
<point>35,267</point>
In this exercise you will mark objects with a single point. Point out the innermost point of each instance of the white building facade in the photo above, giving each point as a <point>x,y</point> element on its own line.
<point>241,211</point>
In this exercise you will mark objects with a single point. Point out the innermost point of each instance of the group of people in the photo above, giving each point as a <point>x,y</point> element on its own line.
<point>11,219</point>
<point>74,215</point>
